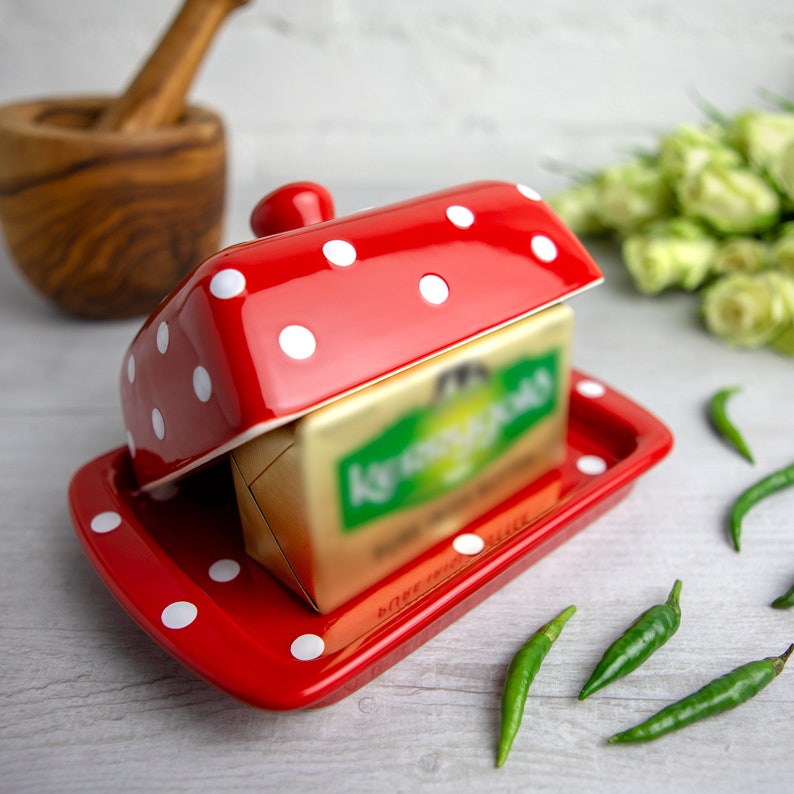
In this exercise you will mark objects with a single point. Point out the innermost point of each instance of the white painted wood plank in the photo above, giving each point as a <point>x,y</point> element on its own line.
<point>91,704</point>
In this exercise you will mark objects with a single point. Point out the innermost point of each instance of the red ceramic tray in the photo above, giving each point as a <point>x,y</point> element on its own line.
<point>175,561</point>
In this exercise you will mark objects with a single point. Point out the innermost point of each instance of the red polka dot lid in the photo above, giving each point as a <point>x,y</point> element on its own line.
<point>266,331</point>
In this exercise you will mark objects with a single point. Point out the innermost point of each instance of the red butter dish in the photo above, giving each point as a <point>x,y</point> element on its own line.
<point>377,411</point>
<point>174,559</point>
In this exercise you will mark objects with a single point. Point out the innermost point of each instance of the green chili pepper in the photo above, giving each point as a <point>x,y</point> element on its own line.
<point>786,601</point>
<point>722,423</point>
<point>647,634</point>
<point>776,481</point>
<point>721,694</point>
<point>520,674</point>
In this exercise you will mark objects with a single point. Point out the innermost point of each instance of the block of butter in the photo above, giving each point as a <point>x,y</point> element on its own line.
<point>378,379</point>
<point>336,500</point>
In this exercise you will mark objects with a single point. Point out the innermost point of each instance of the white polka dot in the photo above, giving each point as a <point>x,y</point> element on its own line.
<point>543,248</point>
<point>224,570</point>
<point>297,342</point>
<point>131,444</point>
<point>158,425</point>
<point>339,252</point>
<point>591,388</point>
<point>227,284</point>
<point>105,522</point>
<point>528,192</point>
<point>131,369</point>
<point>469,544</point>
<point>591,464</point>
<point>202,384</point>
<point>462,217</point>
<point>162,337</point>
<point>307,647</point>
<point>433,288</point>
<point>179,615</point>
<point>164,493</point>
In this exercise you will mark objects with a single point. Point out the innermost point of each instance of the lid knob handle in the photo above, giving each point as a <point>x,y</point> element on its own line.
<point>291,207</point>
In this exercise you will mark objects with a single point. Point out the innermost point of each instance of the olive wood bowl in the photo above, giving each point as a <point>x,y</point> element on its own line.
<point>106,223</point>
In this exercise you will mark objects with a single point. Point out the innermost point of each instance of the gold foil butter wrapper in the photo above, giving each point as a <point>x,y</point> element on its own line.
<point>337,500</point>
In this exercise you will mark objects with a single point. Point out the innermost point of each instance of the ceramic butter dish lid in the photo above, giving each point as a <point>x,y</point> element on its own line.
<point>265,331</point>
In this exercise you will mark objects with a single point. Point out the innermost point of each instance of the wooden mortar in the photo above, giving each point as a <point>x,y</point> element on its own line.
<point>106,204</point>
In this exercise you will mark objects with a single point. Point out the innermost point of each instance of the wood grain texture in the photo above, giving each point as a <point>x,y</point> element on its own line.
<point>106,224</point>
<point>91,704</point>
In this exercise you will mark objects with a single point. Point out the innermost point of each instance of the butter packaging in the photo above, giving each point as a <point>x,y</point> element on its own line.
<point>336,500</point>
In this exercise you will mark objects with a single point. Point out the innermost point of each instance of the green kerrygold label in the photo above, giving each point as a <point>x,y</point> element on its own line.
<point>431,450</point>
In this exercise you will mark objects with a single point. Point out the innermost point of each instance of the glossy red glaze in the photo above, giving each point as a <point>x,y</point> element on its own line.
<point>164,552</point>
<point>291,207</point>
<point>266,331</point>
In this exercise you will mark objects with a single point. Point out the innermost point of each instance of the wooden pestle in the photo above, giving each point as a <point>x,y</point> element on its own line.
<point>107,203</point>
<point>156,96</point>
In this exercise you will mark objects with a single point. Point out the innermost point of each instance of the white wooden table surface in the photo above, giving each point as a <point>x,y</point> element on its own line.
<point>90,703</point>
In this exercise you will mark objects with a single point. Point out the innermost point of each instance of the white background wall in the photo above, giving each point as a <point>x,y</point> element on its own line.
<point>423,92</point>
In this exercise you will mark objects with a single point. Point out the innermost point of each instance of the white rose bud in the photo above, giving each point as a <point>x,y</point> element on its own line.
<point>784,174</point>
<point>764,137</point>
<point>630,195</point>
<point>669,254</point>
<point>750,309</point>
<point>730,200</point>
<point>742,255</point>
<point>688,148</point>
<point>781,251</point>
<point>577,208</point>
